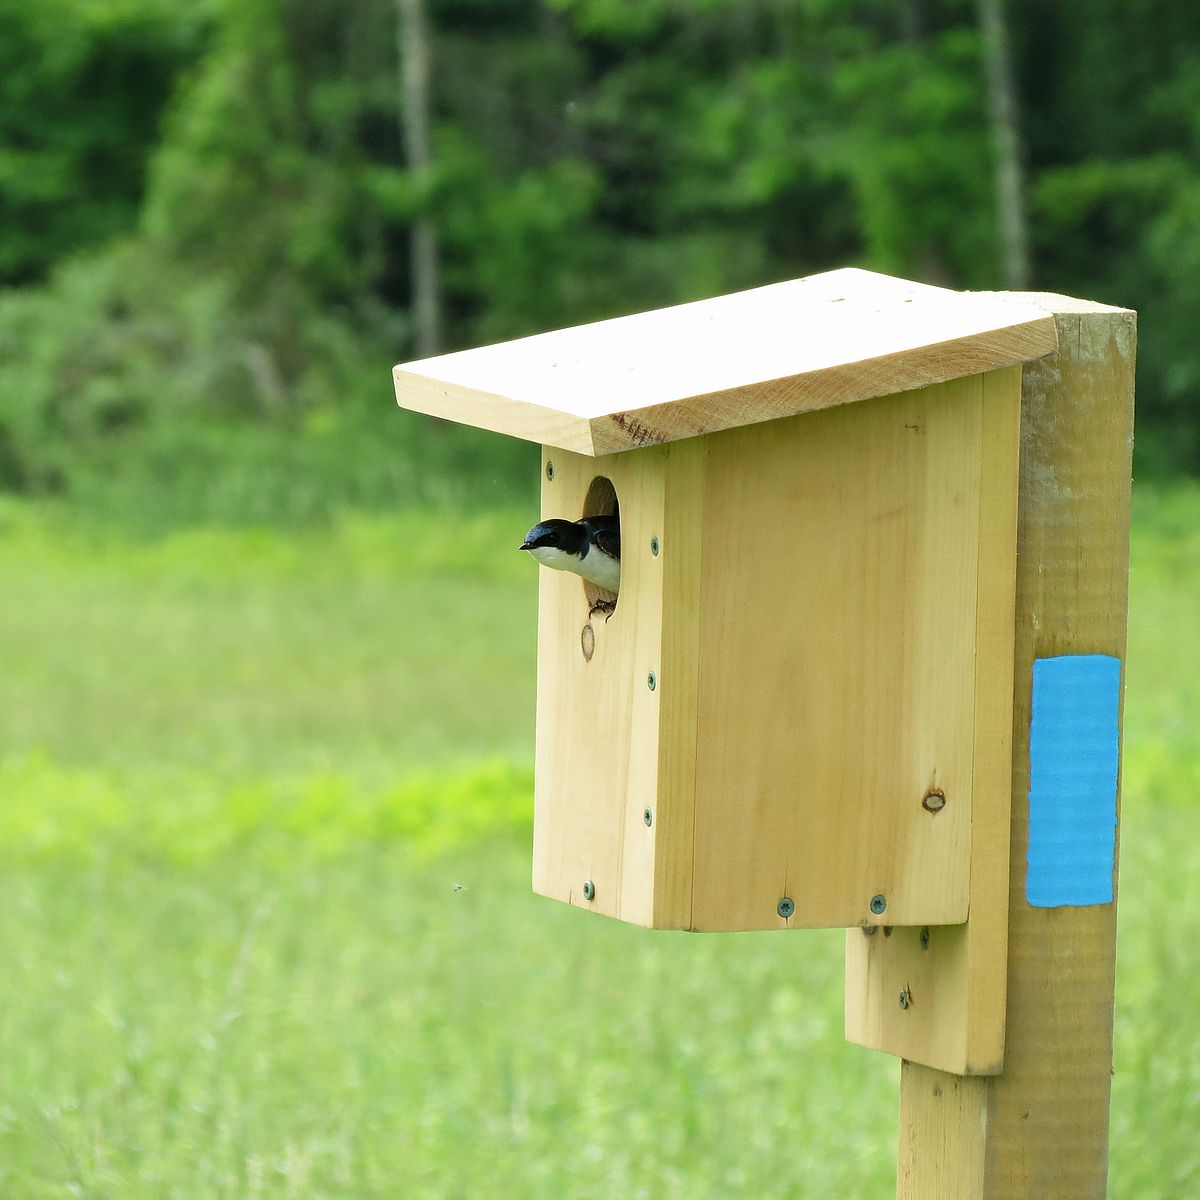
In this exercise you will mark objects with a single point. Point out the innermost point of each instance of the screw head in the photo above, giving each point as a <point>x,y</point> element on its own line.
<point>589,890</point>
<point>786,907</point>
<point>652,681</point>
<point>934,801</point>
<point>648,817</point>
<point>878,904</point>
<point>904,998</point>
<point>654,546</point>
<point>550,470</point>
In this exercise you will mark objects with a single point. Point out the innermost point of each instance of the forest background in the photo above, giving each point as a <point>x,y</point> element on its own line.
<point>218,219</point>
<point>267,647</point>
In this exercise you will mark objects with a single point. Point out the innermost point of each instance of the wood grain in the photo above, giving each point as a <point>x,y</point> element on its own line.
<point>1039,1130</point>
<point>608,746</point>
<point>942,1153</point>
<point>954,978</point>
<point>679,560</point>
<point>838,675</point>
<point>813,619</point>
<point>753,356</point>
<point>597,726</point>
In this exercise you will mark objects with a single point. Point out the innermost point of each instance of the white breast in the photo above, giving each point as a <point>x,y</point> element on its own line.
<point>595,566</point>
<point>560,560</point>
<point>602,570</point>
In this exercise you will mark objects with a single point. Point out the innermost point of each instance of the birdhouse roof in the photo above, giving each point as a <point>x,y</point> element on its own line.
<point>733,360</point>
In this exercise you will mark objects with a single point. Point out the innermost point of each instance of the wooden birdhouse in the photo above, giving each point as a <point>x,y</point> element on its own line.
<point>798,712</point>
<point>799,708</point>
<point>868,640</point>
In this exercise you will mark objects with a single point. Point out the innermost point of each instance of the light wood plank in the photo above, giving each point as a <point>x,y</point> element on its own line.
<point>597,727</point>
<point>734,360</point>
<point>986,934</point>
<point>608,746</point>
<point>838,668</point>
<point>941,1149</point>
<point>679,558</point>
<point>954,978</point>
<point>1039,1131</point>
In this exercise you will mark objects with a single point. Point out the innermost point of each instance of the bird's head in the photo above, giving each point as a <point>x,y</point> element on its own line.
<point>564,536</point>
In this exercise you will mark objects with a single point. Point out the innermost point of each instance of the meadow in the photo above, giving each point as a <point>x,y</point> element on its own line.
<point>265,916</point>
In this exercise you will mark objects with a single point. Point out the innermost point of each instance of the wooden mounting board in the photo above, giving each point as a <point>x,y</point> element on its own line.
<point>953,978</point>
<point>734,360</point>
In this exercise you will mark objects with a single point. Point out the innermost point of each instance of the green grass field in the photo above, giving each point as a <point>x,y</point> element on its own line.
<point>266,926</point>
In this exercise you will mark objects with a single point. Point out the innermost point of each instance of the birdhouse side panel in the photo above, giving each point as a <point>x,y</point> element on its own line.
<point>677,551</point>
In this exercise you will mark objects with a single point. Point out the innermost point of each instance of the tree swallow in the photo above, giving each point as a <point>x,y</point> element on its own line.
<point>591,548</point>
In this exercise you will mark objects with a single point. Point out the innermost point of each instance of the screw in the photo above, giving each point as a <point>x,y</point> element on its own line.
<point>924,939</point>
<point>878,904</point>
<point>648,817</point>
<point>652,681</point>
<point>935,801</point>
<point>654,546</point>
<point>785,907</point>
<point>589,890</point>
<point>550,470</point>
<point>904,1001</point>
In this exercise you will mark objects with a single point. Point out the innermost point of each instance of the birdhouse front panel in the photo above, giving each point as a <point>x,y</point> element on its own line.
<point>614,786</point>
<point>786,717</point>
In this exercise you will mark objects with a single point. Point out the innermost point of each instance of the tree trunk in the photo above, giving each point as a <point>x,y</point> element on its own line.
<point>912,27</point>
<point>1006,146</point>
<point>414,78</point>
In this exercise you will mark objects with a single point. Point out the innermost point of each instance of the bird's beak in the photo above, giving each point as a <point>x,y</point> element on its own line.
<point>525,546</point>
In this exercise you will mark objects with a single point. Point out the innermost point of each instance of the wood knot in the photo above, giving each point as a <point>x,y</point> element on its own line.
<point>587,642</point>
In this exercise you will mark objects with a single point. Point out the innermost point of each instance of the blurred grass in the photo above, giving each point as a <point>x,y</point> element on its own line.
<point>361,1029</point>
<point>264,804</point>
<point>380,643</point>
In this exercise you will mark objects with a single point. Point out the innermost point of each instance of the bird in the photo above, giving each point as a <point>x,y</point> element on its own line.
<point>590,547</point>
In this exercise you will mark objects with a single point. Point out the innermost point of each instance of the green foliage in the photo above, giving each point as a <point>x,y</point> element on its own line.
<point>375,647</point>
<point>216,243</point>
<point>350,1025</point>
<point>353,1026</point>
<point>81,816</point>
<point>143,394</point>
<point>1114,132</point>
<point>82,85</point>
<point>1162,737</point>
<point>259,177</point>
<point>268,686</point>
<point>265,821</point>
<point>345,1027</point>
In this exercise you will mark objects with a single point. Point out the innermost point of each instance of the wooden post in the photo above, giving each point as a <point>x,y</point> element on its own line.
<point>1039,1129</point>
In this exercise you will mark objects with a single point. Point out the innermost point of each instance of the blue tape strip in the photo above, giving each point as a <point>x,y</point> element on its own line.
<point>1074,746</point>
